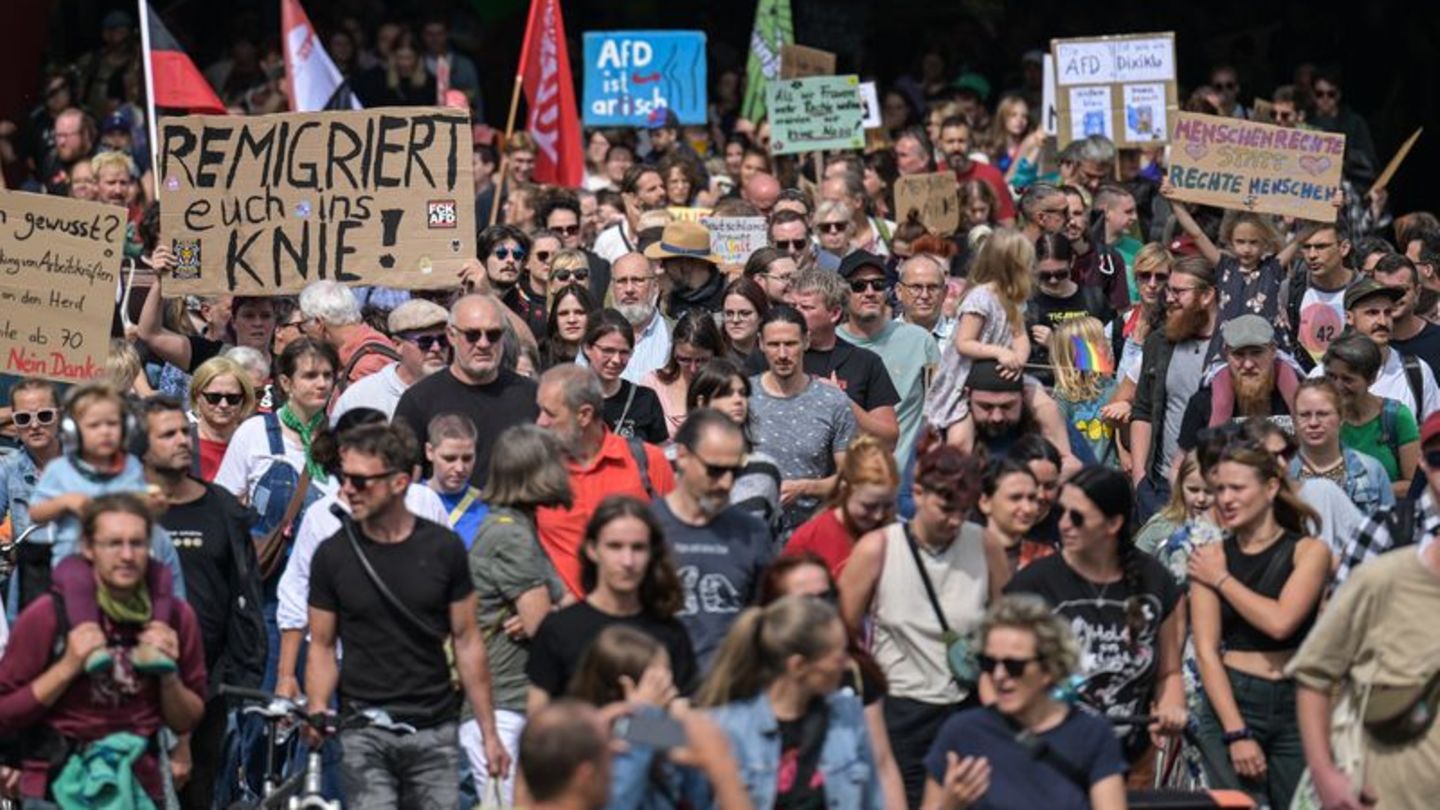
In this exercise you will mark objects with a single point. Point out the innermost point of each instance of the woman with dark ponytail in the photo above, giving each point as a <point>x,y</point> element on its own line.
<point>1127,612</point>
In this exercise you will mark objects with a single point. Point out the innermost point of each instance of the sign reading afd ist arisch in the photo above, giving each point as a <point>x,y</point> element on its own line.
<point>633,77</point>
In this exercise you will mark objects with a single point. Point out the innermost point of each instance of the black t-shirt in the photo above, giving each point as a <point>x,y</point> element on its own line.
<point>566,634</point>
<point>635,410</point>
<point>796,741</point>
<point>1198,411</point>
<point>203,542</point>
<point>861,373</point>
<point>1049,311</point>
<point>1118,671</point>
<point>1424,345</point>
<point>202,349</point>
<point>387,660</point>
<point>509,400</point>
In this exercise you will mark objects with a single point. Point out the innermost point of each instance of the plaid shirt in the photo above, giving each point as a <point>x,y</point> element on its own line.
<point>1373,537</point>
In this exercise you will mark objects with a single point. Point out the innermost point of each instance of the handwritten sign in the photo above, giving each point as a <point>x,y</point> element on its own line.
<point>799,62</point>
<point>688,214</point>
<point>733,239</point>
<point>633,77</point>
<point>264,205</point>
<point>822,112</point>
<point>935,196</point>
<point>870,100</point>
<point>1233,163</point>
<point>58,264</point>
<point>1121,87</point>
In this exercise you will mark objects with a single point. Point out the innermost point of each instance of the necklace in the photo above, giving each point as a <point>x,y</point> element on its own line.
<point>1096,591</point>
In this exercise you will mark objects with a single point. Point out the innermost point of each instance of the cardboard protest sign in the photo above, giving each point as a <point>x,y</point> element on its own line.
<point>870,100</point>
<point>59,260</point>
<point>687,214</point>
<point>633,77</point>
<point>799,62</point>
<point>1049,110</point>
<point>733,239</point>
<point>822,112</point>
<point>1122,87</point>
<point>1234,163</point>
<point>263,205</point>
<point>936,196</point>
<point>1263,111</point>
<point>1383,180</point>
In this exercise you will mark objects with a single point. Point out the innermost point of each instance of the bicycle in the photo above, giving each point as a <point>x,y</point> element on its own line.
<point>302,790</point>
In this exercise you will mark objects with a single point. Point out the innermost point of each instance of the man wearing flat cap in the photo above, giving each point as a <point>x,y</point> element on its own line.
<point>1255,382</point>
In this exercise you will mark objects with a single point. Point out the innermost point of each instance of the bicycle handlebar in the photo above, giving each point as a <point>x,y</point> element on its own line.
<point>327,723</point>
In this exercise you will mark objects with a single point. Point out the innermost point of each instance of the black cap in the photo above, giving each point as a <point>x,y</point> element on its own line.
<point>985,376</point>
<point>851,264</point>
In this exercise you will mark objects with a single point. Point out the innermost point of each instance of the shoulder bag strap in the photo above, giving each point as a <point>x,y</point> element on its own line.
<point>629,400</point>
<point>471,493</point>
<point>271,550</point>
<point>925,578</point>
<point>385,593</point>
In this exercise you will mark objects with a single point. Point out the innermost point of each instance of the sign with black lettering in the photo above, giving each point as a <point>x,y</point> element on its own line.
<point>935,199</point>
<point>59,262</point>
<point>264,205</point>
<point>1122,87</point>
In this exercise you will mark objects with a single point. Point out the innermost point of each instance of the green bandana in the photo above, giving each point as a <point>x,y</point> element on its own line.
<point>134,609</point>
<point>307,434</point>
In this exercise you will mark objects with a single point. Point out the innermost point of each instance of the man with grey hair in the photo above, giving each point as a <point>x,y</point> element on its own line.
<point>1043,210</point>
<point>635,289</point>
<point>922,297</point>
<point>843,184</point>
<point>475,384</point>
<point>572,405</point>
<point>332,315</point>
<point>1088,162</point>
<point>418,328</point>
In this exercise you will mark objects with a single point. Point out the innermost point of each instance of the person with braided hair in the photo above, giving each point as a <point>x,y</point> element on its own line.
<point>1127,611</point>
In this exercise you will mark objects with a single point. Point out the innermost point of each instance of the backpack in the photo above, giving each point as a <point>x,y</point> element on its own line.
<point>272,493</point>
<point>1416,378</point>
<point>342,380</point>
<point>642,464</point>
<point>1389,426</point>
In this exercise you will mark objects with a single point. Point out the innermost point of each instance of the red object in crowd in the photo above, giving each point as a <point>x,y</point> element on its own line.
<point>179,85</point>
<point>553,120</point>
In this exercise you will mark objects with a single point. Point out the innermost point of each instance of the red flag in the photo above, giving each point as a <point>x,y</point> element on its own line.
<point>553,120</point>
<point>178,84</point>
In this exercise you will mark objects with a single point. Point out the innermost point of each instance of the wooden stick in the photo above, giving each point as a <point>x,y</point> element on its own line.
<point>1400,154</point>
<point>509,130</point>
<point>819,168</point>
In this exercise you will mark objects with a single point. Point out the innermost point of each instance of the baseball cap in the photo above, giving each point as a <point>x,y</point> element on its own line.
<point>116,122</point>
<point>1368,288</point>
<point>973,82</point>
<point>853,261</point>
<point>416,314</point>
<point>1247,331</point>
<point>118,18</point>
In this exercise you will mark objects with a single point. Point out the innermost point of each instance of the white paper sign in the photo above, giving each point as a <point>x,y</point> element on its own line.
<point>1090,112</point>
<point>733,239</point>
<point>1049,114</point>
<point>1144,60</point>
<point>871,100</point>
<point>1111,61</point>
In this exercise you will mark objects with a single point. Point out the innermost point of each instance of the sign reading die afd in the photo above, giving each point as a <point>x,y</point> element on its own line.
<point>633,77</point>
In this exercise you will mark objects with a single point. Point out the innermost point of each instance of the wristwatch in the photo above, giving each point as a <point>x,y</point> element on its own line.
<point>1232,737</point>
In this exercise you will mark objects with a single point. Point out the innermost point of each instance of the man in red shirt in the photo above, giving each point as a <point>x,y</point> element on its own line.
<point>955,145</point>
<point>332,314</point>
<point>601,464</point>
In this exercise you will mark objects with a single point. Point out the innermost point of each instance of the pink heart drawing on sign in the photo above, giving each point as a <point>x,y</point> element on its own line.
<point>1315,164</point>
<point>1196,150</point>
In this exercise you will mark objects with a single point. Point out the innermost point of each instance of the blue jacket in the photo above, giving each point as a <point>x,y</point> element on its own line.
<point>638,783</point>
<point>1366,481</point>
<point>846,760</point>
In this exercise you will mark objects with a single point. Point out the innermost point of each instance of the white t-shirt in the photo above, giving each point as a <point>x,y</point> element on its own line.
<point>612,243</point>
<point>1339,518</point>
<point>381,391</point>
<point>1322,319</point>
<point>316,527</point>
<point>248,457</point>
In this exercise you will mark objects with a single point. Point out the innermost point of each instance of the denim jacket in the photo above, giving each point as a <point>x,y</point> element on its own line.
<point>846,760</point>
<point>638,783</point>
<point>1366,481</point>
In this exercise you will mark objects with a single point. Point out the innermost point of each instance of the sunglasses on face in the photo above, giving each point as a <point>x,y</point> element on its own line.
<point>1326,93</point>
<point>566,230</point>
<point>472,336</point>
<point>543,256</point>
<point>217,397</point>
<point>503,253</point>
<point>1077,518</point>
<point>860,285</point>
<point>426,343</point>
<point>1152,278</point>
<point>718,471</point>
<point>792,245</point>
<point>358,482</point>
<point>44,416</point>
<point>1014,667</point>
<point>830,227</point>
<point>1226,85</point>
<point>1053,278</point>
<point>563,276</point>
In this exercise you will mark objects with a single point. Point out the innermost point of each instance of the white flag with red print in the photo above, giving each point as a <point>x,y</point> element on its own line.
<point>314,81</point>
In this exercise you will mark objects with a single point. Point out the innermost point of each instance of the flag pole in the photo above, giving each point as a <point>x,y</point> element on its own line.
<point>514,108</point>
<point>150,122</point>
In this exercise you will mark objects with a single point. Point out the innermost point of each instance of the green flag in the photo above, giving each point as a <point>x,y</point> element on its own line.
<point>773,29</point>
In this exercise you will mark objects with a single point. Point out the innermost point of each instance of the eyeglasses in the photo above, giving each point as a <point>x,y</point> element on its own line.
<point>566,230</point>
<point>923,289</point>
<point>492,336</point>
<point>860,285</point>
<point>544,256</point>
<point>830,227</point>
<point>563,276</point>
<point>358,481</point>
<point>44,416</point>
<point>1053,278</point>
<point>778,278</point>
<point>427,343</point>
<point>300,324</point>
<point>217,397</point>
<point>503,253</point>
<point>1014,667</point>
<point>1179,292</point>
<point>1152,278</point>
<point>792,245</point>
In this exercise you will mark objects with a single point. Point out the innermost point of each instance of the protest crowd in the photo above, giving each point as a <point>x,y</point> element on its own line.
<point>817,443</point>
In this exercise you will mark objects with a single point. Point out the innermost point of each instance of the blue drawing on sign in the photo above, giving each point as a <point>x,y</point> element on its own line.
<point>633,77</point>
<point>1094,122</point>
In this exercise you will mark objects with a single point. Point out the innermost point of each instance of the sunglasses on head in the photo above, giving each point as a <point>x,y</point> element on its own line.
<point>792,245</point>
<point>427,343</point>
<point>503,253</point>
<point>1014,667</point>
<point>217,397</point>
<point>492,336</point>
<point>44,416</point>
<point>358,482</point>
<point>860,285</point>
<point>563,276</point>
<point>566,230</point>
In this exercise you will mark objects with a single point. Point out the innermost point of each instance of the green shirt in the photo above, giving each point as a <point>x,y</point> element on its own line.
<point>1128,247</point>
<point>910,354</point>
<point>1366,439</point>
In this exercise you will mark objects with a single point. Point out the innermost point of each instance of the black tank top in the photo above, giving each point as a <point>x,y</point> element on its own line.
<point>1266,574</point>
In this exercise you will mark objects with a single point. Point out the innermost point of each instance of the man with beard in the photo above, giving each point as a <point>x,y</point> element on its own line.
<point>211,531</point>
<point>1406,379</point>
<point>558,210</point>
<point>1172,364</point>
<point>1254,382</point>
<point>74,142</point>
<point>1044,210</point>
<point>418,328</point>
<point>1002,418</point>
<point>635,289</point>
<point>643,189</point>
<point>696,282</point>
<point>955,140</point>
<point>1410,333</point>
<point>601,464</point>
<point>1096,264</point>
<point>720,551</point>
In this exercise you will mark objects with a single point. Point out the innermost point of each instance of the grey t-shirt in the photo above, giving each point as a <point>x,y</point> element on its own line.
<point>1182,380</point>
<point>506,561</point>
<point>802,433</point>
<point>719,567</point>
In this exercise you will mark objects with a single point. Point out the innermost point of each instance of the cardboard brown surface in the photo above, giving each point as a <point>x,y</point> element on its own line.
<point>934,195</point>
<point>264,205</point>
<point>1120,86</point>
<point>59,261</point>
<point>800,61</point>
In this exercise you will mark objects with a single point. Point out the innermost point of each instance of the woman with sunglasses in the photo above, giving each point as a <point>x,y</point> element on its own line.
<point>221,397</point>
<point>569,314</point>
<point>1025,748</point>
<point>808,574</point>
<point>1255,596</point>
<point>630,410</point>
<point>535,283</point>
<point>694,341</point>
<point>864,500</point>
<point>834,227</point>
<point>1128,613</point>
<point>745,304</point>
<point>566,268</point>
<point>1152,274</point>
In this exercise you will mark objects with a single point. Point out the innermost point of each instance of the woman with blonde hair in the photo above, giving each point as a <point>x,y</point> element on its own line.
<point>1010,129</point>
<point>568,266</point>
<point>123,370</point>
<point>1152,273</point>
<point>221,397</point>
<point>863,500</point>
<point>1080,357</point>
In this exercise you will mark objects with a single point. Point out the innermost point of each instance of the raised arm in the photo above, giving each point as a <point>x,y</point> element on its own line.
<point>172,347</point>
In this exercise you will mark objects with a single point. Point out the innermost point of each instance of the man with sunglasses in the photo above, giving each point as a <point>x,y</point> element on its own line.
<point>790,232</point>
<point>503,249</point>
<point>1044,210</point>
<point>1361,163</point>
<point>418,328</point>
<point>1226,82</point>
<point>720,551</point>
<point>559,211</point>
